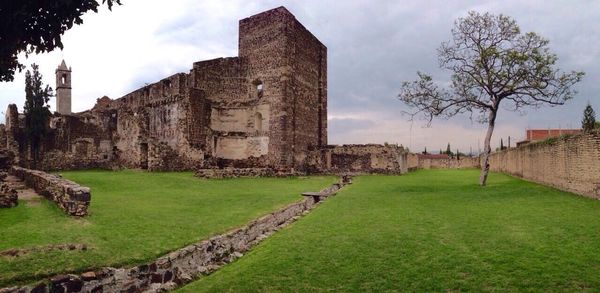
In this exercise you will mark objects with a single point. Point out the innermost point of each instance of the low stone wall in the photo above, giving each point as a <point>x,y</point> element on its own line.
<point>570,163</point>
<point>68,195</point>
<point>414,162</point>
<point>186,264</point>
<point>358,159</point>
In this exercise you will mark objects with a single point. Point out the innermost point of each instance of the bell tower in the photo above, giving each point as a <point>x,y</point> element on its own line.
<point>63,89</point>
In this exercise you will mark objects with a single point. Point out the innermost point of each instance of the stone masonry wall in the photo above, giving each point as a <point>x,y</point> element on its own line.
<point>414,162</point>
<point>367,158</point>
<point>185,264</point>
<point>569,163</point>
<point>68,195</point>
<point>270,102</point>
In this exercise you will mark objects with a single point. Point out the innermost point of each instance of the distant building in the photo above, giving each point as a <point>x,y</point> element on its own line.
<point>533,135</point>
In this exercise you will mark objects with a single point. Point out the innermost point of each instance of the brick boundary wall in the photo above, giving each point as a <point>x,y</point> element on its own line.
<point>71,197</point>
<point>186,264</point>
<point>569,163</point>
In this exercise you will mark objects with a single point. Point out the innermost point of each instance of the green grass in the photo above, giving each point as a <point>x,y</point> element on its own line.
<point>432,230</point>
<point>135,217</point>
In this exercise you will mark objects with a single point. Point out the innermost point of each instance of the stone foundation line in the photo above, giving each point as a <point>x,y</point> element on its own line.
<point>186,264</point>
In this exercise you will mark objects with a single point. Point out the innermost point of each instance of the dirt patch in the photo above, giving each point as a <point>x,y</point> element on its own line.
<point>29,196</point>
<point>16,252</point>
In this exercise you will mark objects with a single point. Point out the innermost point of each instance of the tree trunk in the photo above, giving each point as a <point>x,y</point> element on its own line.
<point>487,149</point>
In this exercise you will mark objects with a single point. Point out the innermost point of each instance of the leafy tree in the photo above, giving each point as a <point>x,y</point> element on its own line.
<point>37,111</point>
<point>491,62</point>
<point>425,151</point>
<point>589,118</point>
<point>501,144</point>
<point>36,27</point>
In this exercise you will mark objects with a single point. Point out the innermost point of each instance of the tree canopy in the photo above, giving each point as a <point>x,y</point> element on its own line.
<point>589,118</point>
<point>491,61</point>
<point>37,27</point>
<point>36,110</point>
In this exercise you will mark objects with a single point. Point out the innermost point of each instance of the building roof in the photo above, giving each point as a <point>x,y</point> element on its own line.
<point>63,65</point>
<point>541,134</point>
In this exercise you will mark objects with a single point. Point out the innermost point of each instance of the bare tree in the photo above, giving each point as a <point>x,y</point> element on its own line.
<point>491,61</point>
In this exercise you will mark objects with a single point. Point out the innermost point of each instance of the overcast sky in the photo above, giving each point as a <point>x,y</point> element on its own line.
<point>372,47</point>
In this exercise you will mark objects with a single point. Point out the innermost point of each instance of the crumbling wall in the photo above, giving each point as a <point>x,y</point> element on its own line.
<point>14,134</point>
<point>68,195</point>
<point>78,142</point>
<point>289,63</point>
<point>269,103</point>
<point>569,163</point>
<point>354,158</point>
<point>415,162</point>
<point>155,124</point>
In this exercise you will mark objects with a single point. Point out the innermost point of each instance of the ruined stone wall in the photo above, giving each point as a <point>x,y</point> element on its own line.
<point>290,64</point>
<point>68,195</point>
<point>265,108</point>
<point>308,82</point>
<point>263,48</point>
<point>569,163</point>
<point>160,117</point>
<point>78,142</point>
<point>356,159</point>
<point>14,134</point>
<point>414,162</point>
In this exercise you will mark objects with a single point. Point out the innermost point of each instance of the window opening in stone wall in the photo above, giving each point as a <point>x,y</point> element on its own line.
<point>258,121</point>
<point>63,79</point>
<point>259,88</point>
<point>215,139</point>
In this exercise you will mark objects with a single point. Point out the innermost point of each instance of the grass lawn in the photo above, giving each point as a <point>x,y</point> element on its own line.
<point>432,230</point>
<point>135,217</point>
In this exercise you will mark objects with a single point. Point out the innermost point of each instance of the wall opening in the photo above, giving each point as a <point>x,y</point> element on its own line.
<point>215,140</point>
<point>259,88</point>
<point>258,121</point>
<point>144,156</point>
<point>63,79</point>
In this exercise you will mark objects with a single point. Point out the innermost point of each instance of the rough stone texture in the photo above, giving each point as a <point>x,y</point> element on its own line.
<point>6,160</point>
<point>569,163</point>
<point>265,108</point>
<point>416,161</point>
<point>8,196</point>
<point>356,159</point>
<point>240,172</point>
<point>185,264</point>
<point>68,195</point>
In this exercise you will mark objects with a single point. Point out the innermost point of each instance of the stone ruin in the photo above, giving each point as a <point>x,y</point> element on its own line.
<point>8,195</point>
<point>263,112</point>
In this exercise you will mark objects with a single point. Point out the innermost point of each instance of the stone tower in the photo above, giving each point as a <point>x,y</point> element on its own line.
<point>63,89</point>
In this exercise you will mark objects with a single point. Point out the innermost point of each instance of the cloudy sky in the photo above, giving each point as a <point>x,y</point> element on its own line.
<point>372,47</point>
